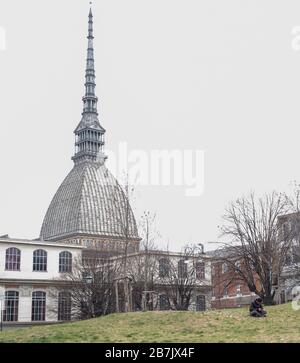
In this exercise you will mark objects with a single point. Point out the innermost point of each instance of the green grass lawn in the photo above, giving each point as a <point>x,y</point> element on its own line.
<point>232,325</point>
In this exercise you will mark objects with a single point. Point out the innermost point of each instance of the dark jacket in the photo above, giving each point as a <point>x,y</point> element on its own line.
<point>255,305</point>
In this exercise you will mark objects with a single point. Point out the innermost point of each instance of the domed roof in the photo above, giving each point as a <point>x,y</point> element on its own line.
<point>91,202</point>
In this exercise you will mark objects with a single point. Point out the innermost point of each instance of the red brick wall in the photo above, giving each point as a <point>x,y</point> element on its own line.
<point>221,279</point>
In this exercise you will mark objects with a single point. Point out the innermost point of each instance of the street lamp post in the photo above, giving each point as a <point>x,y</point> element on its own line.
<point>88,279</point>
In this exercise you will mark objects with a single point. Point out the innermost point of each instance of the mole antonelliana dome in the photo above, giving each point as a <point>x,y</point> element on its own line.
<point>90,201</point>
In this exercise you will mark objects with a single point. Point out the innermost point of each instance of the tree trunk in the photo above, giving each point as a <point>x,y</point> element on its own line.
<point>269,299</point>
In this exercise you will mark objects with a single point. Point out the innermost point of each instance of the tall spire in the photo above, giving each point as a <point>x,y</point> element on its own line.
<point>89,133</point>
<point>90,100</point>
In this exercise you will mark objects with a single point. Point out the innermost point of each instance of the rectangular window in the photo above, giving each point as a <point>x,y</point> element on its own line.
<point>38,312</point>
<point>11,306</point>
<point>200,270</point>
<point>65,262</point>
<point>200,303</point>
<point>164,303</point>
<point>224,268</point>
<point>64,306</point>
<point>12,259</point>
<point>182,269</point>
<point>164,268</point>
<point>40,260</point>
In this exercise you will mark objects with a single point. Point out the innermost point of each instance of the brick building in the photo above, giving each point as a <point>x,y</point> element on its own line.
<point>228,289</point>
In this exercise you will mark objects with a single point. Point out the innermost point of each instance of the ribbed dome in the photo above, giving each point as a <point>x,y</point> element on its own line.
<point>91,202</point>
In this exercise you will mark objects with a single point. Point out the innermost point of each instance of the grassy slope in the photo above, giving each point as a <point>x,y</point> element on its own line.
<point>233,325</point>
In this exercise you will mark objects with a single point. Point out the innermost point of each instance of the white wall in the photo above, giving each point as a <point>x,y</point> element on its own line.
<point>25,302</point>
<point>26,288</point>
<point>26,271</point>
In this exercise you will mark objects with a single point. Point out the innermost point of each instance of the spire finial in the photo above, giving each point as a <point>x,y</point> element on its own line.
<point>89,133</point>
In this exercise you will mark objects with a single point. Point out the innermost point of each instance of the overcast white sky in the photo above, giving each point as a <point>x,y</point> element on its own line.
<point>214,75</point>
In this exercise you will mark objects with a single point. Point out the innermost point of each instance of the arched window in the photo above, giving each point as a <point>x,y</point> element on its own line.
<point>38,312</point>
<point>11,306</point>
<point>64,306</point>
<point>164,267</point>
<point>164,303</point>
<point>13,259</point>
<point>182,269</point>
<point>65,261</point>
<point>39,260</point>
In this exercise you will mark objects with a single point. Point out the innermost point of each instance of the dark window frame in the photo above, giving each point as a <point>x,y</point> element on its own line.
<point>164,303</point>
<point>182,269</point>
<point>225,268</point>
<point>40,261</point>
<point>64,306</point>
<point>164,268</point>
<point>200,270</point>
<point>38,306</point>
<point>225,291</point>
<point>11,306</point>
<point>12,259</point>
<point>200,302</point>
<point>65,262</point>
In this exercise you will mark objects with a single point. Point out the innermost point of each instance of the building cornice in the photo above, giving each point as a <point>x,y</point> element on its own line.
<point>39,243</point>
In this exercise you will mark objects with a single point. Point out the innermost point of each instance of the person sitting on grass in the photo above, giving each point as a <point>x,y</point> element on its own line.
<point>257,309</point>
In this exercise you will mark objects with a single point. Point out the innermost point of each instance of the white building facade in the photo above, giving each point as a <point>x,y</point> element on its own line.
<point>175,280</point>
<point>29,272</point>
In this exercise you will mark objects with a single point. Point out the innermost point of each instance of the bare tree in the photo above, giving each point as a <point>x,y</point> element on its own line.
<point>125,221</point>
<point>87,290</point>
<point>253,227</point>
<point>143,267</point>
<point>182,275</point>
